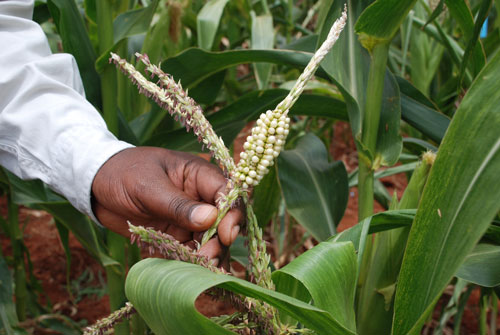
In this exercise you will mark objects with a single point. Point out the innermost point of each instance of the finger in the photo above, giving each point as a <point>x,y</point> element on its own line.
<point>181,235</point>
<point>173,205</point>
<point>210,183</point>
<point>111,220</point>
<point>229,227</point>
<point>211,249</point>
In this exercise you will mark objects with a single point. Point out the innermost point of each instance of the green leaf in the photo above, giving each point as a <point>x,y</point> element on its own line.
<point>426,53</point>
<point>352,83</point>
<point>482,266</point>
<point>128,24</point>
<point>462,182</point>
<point>436,12</point>
<point>420,113</point>
<point>327,273</point>
<point>133,22</point>
<point>376,223</point>
<point>474,37</point>
<point>262,37</point>
<point>8,316</point>
<point>381,20</point>
<point>207,22</point>
<point>76,41</point>
<point>461,12</point>
<point>229,121</point>
<point>206,91</point>
<point>266,197</point>
<point>194,65</point>
<point>314,189</point>
<point>36,194</point>
<point>163,292</point>
<point>353,179</point>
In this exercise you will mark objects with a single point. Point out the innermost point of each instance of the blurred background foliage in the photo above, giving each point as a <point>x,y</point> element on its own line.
<point>238,59</point>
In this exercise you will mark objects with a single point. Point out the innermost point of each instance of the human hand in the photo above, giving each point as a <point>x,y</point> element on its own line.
<point>171,191</point>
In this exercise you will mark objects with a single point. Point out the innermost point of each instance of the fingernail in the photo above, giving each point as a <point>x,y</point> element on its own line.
<point>203,215</point>
<point>214,261</point>
<point>234,232</point>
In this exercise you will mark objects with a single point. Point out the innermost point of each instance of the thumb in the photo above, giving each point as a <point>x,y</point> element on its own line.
<point>202,216</point>
<point>181,210</point>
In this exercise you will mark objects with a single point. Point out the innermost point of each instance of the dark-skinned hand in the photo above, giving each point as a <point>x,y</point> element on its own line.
<point>170,191</point>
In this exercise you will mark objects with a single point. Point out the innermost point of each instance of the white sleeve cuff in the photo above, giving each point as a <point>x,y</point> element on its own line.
<point>82,152</point>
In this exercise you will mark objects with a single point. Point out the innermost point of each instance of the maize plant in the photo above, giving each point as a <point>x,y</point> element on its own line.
<point>415,82</point>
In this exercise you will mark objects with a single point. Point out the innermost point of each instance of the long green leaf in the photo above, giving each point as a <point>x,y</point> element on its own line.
<point>36,194</point>
<point>229,121</point>
<point>76,41</point>
<point>461,12</point>
<point>419,112</point>
<point>327,273</point>
<point>207,22</point>
<point>463,182</point>
<point>262,38</point>
<point>163,292</point>
<point>482,266</point>
<point>195,65</point>
<point>127,24</point>
<point>133,22</point>
<point>266,198</point>
<point>474,37</point>
<point>8,317</point>
<point>426,53</point>
<point>382,19</point>
<point>347,65</point>
<point>314,189</point>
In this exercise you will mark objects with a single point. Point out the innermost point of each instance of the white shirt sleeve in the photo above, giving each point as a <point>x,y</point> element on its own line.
<point>48,130</point>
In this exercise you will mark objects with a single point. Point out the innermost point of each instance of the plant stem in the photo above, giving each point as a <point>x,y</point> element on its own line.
<point>115,275</point>
<point>365,191</point>
<point>137,324</point>
<point>108,75</point>
<point>374,92</point>
<point>116,244</point>
<point>494,313</point>
<point>16,237</point>
<point>483,311</point>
